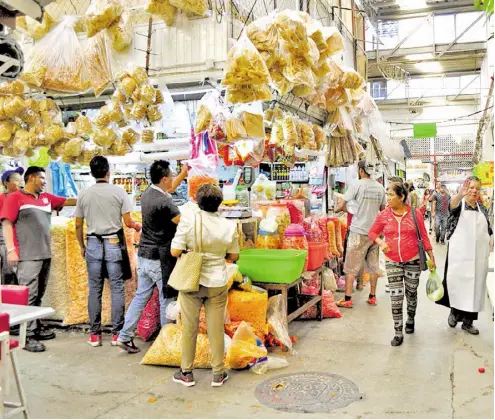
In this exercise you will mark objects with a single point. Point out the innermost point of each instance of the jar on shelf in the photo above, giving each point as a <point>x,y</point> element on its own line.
<point>281,214</point>
<point>268,240</point>
<point>295,238</point>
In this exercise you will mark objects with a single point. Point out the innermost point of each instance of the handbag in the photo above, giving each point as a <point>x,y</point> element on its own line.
<point>187,271</point>
<point>422,254</point>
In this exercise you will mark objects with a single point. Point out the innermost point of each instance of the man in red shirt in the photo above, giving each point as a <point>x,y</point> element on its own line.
<point>12,181</point>
<point>26,217</point>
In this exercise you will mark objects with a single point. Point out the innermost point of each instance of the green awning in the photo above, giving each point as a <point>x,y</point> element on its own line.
<point>425,130</point>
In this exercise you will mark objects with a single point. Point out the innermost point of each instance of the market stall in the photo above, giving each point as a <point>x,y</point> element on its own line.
<point>286,116</point>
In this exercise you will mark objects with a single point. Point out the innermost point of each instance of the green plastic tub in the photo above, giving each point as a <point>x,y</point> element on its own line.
<point>272,265</point>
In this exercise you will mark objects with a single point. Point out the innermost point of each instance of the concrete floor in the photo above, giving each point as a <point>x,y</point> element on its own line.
<point>434,374</point>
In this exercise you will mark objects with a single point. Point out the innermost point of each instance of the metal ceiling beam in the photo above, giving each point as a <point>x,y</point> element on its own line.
<point>461,35</point>
<point>465,47</point>
<point>403,40</point>
<point>464,88</point>
<point>427,75</point>
<point>438,9</point>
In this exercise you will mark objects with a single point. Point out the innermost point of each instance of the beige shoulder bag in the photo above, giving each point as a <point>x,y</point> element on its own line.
<point>185,275</point>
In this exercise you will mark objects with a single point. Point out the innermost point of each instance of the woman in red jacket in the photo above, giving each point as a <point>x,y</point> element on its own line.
<point>402,254</point>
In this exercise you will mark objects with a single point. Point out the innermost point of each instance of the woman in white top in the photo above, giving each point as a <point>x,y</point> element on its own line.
<point>219,241</point>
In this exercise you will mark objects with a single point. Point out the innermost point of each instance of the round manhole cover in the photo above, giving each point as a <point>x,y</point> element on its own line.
<point>307,392</point>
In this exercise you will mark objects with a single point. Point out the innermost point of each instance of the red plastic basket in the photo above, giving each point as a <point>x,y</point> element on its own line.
<point>316,255</point>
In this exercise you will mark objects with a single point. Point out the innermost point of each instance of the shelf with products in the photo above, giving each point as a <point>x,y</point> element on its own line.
<point>298,174</point>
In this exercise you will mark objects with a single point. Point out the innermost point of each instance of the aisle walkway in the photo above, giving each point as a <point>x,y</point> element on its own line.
<point>434,374</point>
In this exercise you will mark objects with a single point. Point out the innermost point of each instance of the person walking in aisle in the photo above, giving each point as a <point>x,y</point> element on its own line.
<point>103,206</point>
<point>414,196</point>
<point>468,252</point>
<point>370,196</point>
<point>26,217</point>
<point>219,240</point>
<point>12,181</point>
<point>440,212</point>
<point>401,248</point>
<point>155,261</point>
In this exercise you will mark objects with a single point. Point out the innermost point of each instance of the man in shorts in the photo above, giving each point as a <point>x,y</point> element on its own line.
<point>370,197</point>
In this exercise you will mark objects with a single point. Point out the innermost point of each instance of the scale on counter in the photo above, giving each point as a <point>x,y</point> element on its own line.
<point>246,176</point>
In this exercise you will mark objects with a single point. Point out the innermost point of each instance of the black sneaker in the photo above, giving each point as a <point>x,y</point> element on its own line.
<point>128,346</point>
<point>397,341</point>
<point>45,335</point>
<point>219,379</point>
<point>410,327</point>
<point>34,346</point>
<point>452,320</point>
<point>470,328</point>
<point>184,378</point>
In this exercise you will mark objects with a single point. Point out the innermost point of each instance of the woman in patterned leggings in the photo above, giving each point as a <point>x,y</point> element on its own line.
<point>401,248</point>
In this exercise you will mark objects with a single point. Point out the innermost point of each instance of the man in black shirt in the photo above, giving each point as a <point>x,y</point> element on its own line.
<point>155,262</point>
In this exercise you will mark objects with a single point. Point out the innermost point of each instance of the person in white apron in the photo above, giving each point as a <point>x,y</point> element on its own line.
<point>466,268</point>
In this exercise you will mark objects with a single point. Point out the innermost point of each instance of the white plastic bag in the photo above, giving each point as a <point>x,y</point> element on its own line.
<point>275,362</point>
<point>173,310</point>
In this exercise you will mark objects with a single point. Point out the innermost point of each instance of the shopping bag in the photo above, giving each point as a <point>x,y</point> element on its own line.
<point>434,287</point>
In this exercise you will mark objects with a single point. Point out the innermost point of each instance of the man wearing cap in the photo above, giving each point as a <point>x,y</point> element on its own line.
<point>26,218</point>
<point>370,198</point>
<point>12,181</point>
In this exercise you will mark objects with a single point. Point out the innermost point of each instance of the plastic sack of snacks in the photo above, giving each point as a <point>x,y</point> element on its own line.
<point>330,309</point>
<point>6,130</point>
<point>149,323</point>
<point>263,188</point>
<point>263,34</point>
<point>101,14</point>
<point>332,239</point>
<point>244,347</point>
<point>313,230</point>
<point>153,114</point>
<point>195,7</point>
<point>167,349</point>
<point>74,147</point>
<point>248,306</point>
<point>298,72</point>
<point>248,93</point>
<point>235,129</point>
<point>328,279</point>
<point>292,29</point>
<point>253,122</point>
<point>320,137</point>
<point>104,137</point>
<point>120,33</point>
<point>202,170</point>
<point>163,9</point>
<point>277,134</point>
<point>204,114</point>
<point>83,125</point>
<point>351,79</point>
<point>277,321</point>
<point>38,30</point>
<point>289,128</point>
<point>245,66</point>
<point>56,62</point>
<point>338,235</point>
<point>126,86</point>
<point>217,129</point>
<point>306,136</point>
<point>336,97</point>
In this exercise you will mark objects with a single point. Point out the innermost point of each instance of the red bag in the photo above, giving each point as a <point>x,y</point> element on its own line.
<point>330,309</point>
<point>149,323</point>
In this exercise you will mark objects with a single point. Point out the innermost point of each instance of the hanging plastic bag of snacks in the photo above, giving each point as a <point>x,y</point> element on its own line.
<point>248,93</point>
<point>202,170</point>
<point>195,7</point>
<point>97,63</point>
<point>120,33</point>
<point>235,129</point>
<point>268,240</point>
<point>245,66</point>
<point>101,14</point>
<point>289,128</point>
<point>163,9</point>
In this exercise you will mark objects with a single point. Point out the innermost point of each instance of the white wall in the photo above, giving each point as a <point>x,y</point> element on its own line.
<point>487,68</point>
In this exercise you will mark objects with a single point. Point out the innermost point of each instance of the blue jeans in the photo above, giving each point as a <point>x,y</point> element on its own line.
<point>113,265</point>
<point>149,275</point>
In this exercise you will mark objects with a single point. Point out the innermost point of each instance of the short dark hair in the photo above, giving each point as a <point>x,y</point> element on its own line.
<point>209,197</point>
<point>400,190</point>
<point>159,170</point>
<point>99,167</point>
<point>411,188</point>
<point>33,170</point>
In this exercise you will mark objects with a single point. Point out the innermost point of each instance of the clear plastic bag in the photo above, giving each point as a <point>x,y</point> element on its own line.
<point>38,30</point>
<point>196,7</point>
<point>204,114</point>
<point>277,320</point>
<point>292,29</point>
<point>263,188</point>
<point>97,63</point>
<point>244,347</point>
<point>351,79</point>
<point>57,62</point>
<point>163,9</point>
<point>235,129</point>
<point>245,66</point>
<point>328,278</point>
<point>101,14</point>
<point>289,128</point>
<point>263,34</point>
<point>120,33</point>
<point>434,287</point>
<point>202,170</point>
<point>276,362</point>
